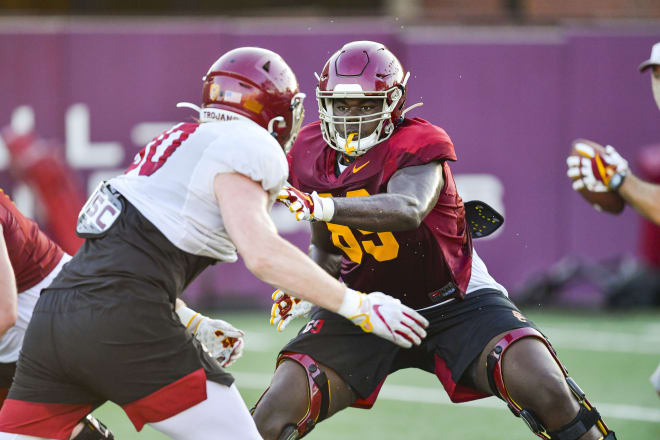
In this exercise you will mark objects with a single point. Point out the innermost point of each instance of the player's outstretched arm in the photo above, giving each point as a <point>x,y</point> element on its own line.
<point>243,205</point>
<point>411,194</point>
<point>8,292</point>
<point>286,307</point>
<point>643,196</point>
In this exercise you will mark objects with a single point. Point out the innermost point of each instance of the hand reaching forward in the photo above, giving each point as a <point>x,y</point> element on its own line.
<point>310,207</point>
<point>287,308</point>
<point>384,316</point>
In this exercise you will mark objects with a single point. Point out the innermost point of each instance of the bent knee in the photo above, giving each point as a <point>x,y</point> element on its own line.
<point>272,415</point>
<point>284,403</point>
<point>534,378</point>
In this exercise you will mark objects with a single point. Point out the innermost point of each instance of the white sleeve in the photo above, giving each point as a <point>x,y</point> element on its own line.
<point>260,159</point>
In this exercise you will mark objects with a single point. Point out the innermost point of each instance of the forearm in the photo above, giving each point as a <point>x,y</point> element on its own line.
<point>287,267</point>
<point>643,196</point>
<point>412,193</point>
<point>267,255</point>
<point>378,213</point>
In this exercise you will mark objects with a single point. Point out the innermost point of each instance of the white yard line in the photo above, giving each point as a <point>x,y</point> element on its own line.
<point>403,393</point>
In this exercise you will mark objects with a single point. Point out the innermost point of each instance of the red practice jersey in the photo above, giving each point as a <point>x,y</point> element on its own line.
<point>409,265</point>
<point>32,254</point>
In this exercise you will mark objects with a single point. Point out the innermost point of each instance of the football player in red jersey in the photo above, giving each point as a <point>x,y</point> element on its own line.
<point>37,163</point>
<point>198,194</point>
<point>378,190</point>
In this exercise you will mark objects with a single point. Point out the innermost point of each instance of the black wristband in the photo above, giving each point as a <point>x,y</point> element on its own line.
<point>616,181</point>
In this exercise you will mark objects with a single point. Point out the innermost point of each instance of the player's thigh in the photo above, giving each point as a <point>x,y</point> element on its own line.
<point>222,415</point>
<point>526,361</point>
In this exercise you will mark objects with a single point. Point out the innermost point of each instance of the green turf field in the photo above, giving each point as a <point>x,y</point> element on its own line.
<point>611,356</point>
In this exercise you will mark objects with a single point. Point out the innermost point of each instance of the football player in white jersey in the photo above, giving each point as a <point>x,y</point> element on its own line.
<point>198,194</point>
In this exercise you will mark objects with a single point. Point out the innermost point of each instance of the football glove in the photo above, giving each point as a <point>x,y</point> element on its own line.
<point>593,171</point>
<point>221,339</point>
<point>310,207</point>
<point>287,308</point>
<point>384,316</point>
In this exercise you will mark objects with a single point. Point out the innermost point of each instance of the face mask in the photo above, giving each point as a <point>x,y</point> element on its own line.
<point>655,84</point>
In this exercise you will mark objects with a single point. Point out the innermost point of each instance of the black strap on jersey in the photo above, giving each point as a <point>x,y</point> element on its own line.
<point>482,218</point>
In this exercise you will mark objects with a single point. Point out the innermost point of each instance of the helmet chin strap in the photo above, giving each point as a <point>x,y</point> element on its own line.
<point>419,104</point>
<point>189,105</point>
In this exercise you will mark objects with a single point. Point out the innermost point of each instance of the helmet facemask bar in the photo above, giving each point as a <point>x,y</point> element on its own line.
<point>297,115</point>
<point>356,144</point>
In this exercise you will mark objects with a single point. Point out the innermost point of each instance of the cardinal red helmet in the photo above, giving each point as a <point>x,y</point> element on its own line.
<point>361,69</point>
<point>258,84</point>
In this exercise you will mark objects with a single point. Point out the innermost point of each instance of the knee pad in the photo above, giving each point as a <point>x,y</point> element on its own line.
<point>318,394</point>
<point>587,416</point>
<point>93,430</point>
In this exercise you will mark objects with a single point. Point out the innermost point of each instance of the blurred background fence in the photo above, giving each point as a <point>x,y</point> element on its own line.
<point>512,82</point>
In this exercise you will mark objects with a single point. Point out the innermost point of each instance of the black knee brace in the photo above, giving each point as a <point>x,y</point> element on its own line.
<point>93,430</point>
<point>587,416</point>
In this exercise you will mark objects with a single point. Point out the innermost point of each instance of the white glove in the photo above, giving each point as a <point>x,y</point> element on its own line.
<point>221,339</point>
<point>384,316</point>
<point>593,171</point>
<point>287,308</point>
<point>310,207</point>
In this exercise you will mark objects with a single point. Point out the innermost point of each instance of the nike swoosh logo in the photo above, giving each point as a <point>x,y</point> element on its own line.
<point>356,169</point>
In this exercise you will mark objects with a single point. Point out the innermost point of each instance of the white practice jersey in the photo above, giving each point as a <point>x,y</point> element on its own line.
<point>480,278</point>
<point>171,180</point>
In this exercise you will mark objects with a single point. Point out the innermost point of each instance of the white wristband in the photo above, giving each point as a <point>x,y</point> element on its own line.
<point>190,318</point>
<point>327,208</point>
<point>350,306</point>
